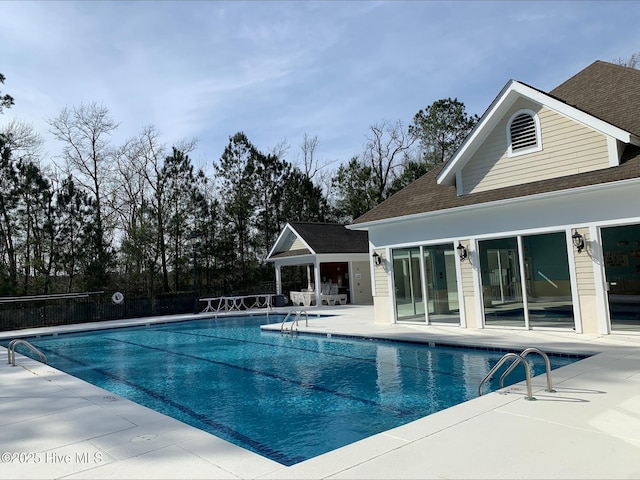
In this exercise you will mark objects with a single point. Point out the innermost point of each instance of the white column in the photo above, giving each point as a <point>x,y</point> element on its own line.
<point>309,285</point>
<point>278,280</point>
<point>318,287</point>
<point>593,243</point>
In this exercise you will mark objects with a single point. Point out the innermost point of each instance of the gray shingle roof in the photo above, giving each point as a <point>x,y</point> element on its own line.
<point>604,90</point>
<point>328,238</point>
<point>425,196</point>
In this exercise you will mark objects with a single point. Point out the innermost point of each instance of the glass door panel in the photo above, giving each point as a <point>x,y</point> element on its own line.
<point>442,284</point>
<point>621,250</point>
<point>408,285</point>
<point>547,281</point>
<point>501,282</point>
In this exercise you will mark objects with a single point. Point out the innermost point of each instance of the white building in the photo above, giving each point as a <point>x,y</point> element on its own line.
<point>533,224</point>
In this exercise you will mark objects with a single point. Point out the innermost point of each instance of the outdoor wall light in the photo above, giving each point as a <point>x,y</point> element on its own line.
<point>578,241</point>
<point>462,252</point>
<point>377,259</point>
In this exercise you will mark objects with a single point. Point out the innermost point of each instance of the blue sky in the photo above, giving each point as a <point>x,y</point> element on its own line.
<point>279,69</point>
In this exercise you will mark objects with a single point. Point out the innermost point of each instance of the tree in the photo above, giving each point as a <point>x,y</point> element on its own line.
<point>132,207</point>
<point>411,172</point>
<point>237,190</point>
<point>23,141</point>
<point>73,227</point>
<point>632,62</point>
<point>84,132</point>
<point>270,174</point>
<point>143,208</point>
<point>356,190</point>
<point>5,100</point>
<point>178,176</point>
<point>367,181</point>
<point>207,211</point>
<point>5,153</point>
<point>9,227</point>
<point>152,158</point>
<point>388,144</point>
<point>302,200</point>
<point>35,204</point>
<point>25,205</point>
<point>309,160</point>
<point>5,249</point>
<point>25,211</point>
<point>441,128</point>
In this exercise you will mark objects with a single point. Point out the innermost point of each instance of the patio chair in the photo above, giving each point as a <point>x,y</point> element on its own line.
<point>328,294</point>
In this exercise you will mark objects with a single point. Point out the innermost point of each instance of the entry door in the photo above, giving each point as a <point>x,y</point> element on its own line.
<point>621,251</point>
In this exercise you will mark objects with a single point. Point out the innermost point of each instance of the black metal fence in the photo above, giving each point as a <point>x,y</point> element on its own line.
<point>34,312</point>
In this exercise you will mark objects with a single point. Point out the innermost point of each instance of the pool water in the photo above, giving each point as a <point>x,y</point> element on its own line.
<point>286,397</point>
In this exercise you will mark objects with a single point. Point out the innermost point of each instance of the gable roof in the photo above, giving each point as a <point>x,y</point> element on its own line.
<point>321,238</point>
<point>584,103</point>
<point>436,190</point>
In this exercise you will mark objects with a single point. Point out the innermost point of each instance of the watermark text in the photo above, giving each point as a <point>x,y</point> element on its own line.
<point>51,457</point>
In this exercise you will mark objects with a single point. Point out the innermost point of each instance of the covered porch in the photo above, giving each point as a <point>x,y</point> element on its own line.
<point>329,265</point>
<point>327,281</point>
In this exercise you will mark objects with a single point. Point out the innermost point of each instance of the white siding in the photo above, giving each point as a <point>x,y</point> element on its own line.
<point>298,245</point>
<point>361,281</point>
<point>468,293</point>
<point>585,280</point>
<point>381,301</point>
<point>567,148</point>
<point>380,275</point>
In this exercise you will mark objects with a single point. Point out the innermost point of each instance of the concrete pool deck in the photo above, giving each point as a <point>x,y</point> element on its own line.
<point>54,425</point>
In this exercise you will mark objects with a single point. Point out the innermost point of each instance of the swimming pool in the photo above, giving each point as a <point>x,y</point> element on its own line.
<point>288,398</point>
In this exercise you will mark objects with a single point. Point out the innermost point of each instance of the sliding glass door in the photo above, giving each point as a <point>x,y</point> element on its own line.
<point>549,302</point>
<point>425,279</point>
<point>526,281</point>
<point>501,282</point>
<point>408,284</point>
<point>442,284</point>
<point>621,251</point>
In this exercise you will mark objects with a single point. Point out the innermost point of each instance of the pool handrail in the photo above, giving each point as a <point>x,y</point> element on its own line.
<point>516,359</point>
<point>296,320</point>
<point>547,365</point>
<point>11,351</point>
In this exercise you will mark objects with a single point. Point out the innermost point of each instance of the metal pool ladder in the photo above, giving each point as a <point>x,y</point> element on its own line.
<point>295,322</point>
<point>547,365</point>
<point>11,351</point>
<point>519,358</point>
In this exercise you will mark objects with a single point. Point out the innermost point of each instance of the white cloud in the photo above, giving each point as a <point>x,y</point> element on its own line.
<point>277,70</point>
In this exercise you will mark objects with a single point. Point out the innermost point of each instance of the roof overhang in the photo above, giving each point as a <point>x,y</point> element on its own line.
<point>319,258</point>
<point>478,206</point>
<point>293,260</point>
<point>511,92</point>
